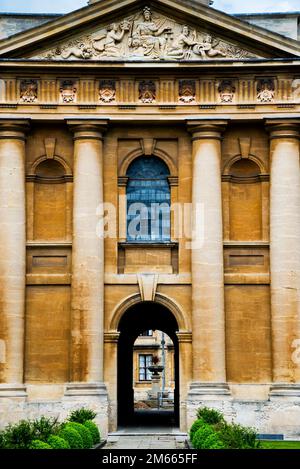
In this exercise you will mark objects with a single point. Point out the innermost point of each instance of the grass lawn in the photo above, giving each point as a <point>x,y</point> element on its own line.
<point>280,444</point>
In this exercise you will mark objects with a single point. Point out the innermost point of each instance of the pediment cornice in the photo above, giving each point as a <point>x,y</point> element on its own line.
<point>251,40</point>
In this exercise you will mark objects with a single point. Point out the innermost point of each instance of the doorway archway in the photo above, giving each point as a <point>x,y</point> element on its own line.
<point>140,317</point>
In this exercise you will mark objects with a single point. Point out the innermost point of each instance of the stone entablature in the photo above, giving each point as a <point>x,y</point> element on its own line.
<point>114,91</point>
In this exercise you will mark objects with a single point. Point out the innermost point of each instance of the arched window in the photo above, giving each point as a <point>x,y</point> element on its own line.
<point>148,200</point>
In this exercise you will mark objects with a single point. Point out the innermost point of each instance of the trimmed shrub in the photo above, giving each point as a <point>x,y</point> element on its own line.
<point>94,430</point>
<point>19,436</point>
<point>72,437</point>
<point>213,442</point>
<point>84,432</point>
<point>210,416</point>
<point>235,436</point>
<point>44,427</point>
<point>38,444</point>
<point>196,425</point>
<point>2,440</point>
<point>56,442</point>
<point>82,415</point>
<point>201,435</point>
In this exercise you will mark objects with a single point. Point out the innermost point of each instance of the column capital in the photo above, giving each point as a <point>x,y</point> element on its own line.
<point>283,128</point>
<point>15,129</point>
<point>206,129</point>
<point>88,129</point>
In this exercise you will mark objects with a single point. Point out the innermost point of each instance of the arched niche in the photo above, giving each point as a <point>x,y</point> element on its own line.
<point>245,199</point>
<point>51,200</point>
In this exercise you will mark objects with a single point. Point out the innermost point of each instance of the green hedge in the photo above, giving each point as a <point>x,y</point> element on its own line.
<point>38,444</point>
<point>56,442</point>
<point>72,437</point>
<point>84,432</point>
<point>48,433</point>
<point>211,431</point>
<point>92,427</point>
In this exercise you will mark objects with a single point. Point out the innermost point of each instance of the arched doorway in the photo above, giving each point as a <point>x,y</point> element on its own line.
<point>138,318</point>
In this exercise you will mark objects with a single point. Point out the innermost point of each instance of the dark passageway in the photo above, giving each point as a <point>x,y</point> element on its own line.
<point>146,315</point>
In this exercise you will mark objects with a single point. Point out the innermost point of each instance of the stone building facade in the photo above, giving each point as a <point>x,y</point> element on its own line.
<point>166,99</point>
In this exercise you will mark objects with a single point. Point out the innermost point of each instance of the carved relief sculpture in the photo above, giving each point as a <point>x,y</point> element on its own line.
<point>107,91</point>
<point>226,91</point>
<point>146,36</point>
<point>265,91</point>
<point>147,92</point>
<point>187,91</point>
<point>68,91</point>
<point>28,91</point>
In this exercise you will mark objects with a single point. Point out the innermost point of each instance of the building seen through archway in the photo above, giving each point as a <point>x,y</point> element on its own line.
<point>142,399</point>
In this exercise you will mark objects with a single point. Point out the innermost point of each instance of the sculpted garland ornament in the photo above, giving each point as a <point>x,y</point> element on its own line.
<point>146,36</point>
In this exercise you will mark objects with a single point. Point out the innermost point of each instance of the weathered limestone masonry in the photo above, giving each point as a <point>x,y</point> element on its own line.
<point>213,100</point>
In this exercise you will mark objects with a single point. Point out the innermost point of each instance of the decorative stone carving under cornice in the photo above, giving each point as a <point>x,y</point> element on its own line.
<point>68,91</point>
<point>226,91</point>
<point>265,90</point>
<point>187,91</point>
<point>147,92</point>
<point>146,35</point>
<point>107,91</point>
<point>28,91</point>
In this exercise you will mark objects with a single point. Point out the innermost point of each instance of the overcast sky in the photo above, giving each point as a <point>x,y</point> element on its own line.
<point>230,6</point>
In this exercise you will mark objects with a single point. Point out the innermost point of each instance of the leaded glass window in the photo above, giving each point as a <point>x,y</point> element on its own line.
<point>148,200</point>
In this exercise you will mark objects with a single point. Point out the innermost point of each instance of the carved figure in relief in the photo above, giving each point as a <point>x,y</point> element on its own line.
<point>109,44</point>
<point>182,46</point>
<point>28,91</point>
<point>80,51</point>
<point>146,36</point>
<point>208,48</point>
<point>149,34</point>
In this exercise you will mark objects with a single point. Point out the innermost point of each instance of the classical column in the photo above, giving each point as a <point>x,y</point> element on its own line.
<point>12,255</point>
<point>88,254</point>
<point>209,370</point>
<point>285,253</point>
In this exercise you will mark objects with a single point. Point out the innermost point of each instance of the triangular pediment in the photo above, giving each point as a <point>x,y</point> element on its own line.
<point>159,30</point>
